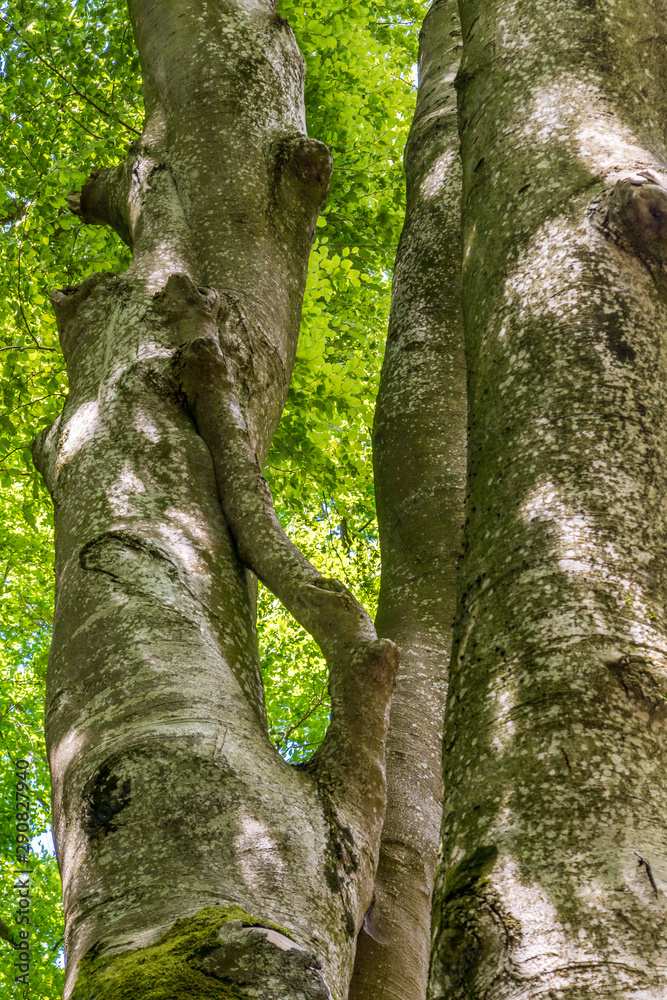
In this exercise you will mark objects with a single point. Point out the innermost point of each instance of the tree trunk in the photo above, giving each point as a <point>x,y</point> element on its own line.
<point>194,860</point>
<point>420,483</point>
<point>554,867</point>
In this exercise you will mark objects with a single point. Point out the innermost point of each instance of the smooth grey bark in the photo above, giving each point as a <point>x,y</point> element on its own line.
<point>554,867</point>
<point>419,448</point>
<point>179,829</point>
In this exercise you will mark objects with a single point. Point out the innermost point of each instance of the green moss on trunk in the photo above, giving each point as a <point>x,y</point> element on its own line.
<point>162,971</point>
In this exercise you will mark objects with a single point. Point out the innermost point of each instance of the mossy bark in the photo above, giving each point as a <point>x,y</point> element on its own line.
<point>217,954</point>
<point>555,740</point>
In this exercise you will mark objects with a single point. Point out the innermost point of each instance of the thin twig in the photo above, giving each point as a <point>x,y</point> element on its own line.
<point>27,347</point>
<point>291,729</point>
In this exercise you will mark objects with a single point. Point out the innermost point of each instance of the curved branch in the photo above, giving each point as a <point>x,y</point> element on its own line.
<point>362,668</point>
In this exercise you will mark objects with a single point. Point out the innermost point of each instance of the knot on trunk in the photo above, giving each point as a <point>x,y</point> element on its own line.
<point>302,172</point>
<point>190,313</point>
<point>642,682</point>
<point>102,201</point>
<point>634,214</point>
<point>76,308</point>
<point>310,161</point>
<point>181,293</point>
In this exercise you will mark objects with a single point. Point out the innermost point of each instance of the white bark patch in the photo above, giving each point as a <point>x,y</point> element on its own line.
<point>77,432</point>
<point>438,175</point>
<point>259,857</point>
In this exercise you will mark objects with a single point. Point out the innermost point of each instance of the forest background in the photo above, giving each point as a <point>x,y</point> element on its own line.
<point>70,102</point>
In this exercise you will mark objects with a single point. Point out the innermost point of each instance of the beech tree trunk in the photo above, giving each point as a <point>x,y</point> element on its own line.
<point>554,866</point>
<point>419,447</point>
<point>195,861</point>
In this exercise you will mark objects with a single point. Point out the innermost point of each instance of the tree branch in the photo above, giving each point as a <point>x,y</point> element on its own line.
<point>139,200</point>
<point>362,668</point>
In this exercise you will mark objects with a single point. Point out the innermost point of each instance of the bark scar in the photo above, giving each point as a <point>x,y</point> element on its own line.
<point>105,553</point>
<point>634,214</point>
<point>637,681</point>
<point>139,567</point>
<point>105,801</point>
<point>642,863</point>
